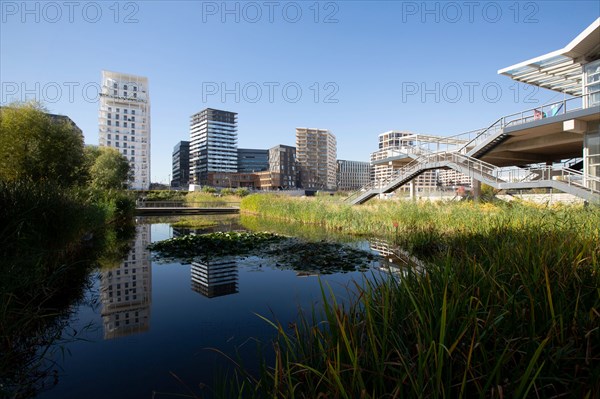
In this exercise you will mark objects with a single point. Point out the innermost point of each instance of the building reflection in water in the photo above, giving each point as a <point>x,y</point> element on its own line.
<point>126,291</point>
<point>213,279</point>
<point>393,260</point>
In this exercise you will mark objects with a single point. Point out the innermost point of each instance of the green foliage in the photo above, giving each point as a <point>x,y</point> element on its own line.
<point>35,147</point>
<point>507,306</point>
<point>212,244</point>
<point>109,169</point>
<point>227,191</point>
<point>212,199</point>
<point>50,239</point>
<point>242,192</point>
<point>208,189</point>
<point>165,195</point>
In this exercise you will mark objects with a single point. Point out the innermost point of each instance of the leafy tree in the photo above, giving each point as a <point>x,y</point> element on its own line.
<point>109,169</point>
<point>38,147</point>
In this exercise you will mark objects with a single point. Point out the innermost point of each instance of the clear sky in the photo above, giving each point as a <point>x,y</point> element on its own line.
<point>357,68</point>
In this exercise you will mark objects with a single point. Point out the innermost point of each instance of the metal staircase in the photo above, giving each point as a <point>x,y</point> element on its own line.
<point>465,160</point>
<point>563,179</point>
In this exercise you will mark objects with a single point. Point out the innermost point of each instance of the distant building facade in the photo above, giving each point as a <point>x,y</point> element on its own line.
<point>232,180</point>
<point>352,175</point>
<point>397,144</point>
<point>283,167</point>
<point>213,144</point>
<point>316,152</point>
<point>181,164</point>
<point>124,122</point>
<point>252,160</point>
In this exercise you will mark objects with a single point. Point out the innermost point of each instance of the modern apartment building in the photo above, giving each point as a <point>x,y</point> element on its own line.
<point>252,160</point>
<point>352,175</point>
<point>213,144</point>
<point>396,149</point>
<point>181,164</point>
<point>124,122</point>
<point>283,167</point>
<point>316,152</point>
<point>126,291</point>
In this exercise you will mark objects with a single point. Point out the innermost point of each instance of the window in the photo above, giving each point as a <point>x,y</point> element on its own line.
<point>133,112</point>
<point>125,111</point>
<point>118,110</point>
<point>132,152</point>
<point>117,144</point>
<point>125,93</point>
<point>108,143</point>
<point>117,116</point>
<point>115,85</point>
<point>134,88</point>
<point>108,136</point>
<point>109,116</point>
<point>117,124</point>
<point>124,138</point>
<point>132,119</point>
<point>132,124</point>
<point>114,92</point>
<point>132,132</point>
<point>125,152</point>
<point>116,137</point>
<point>108,123</point>
<point>132,159</point>
<point>134,95</point>
<point>124,124</point>
<point>124,87</point>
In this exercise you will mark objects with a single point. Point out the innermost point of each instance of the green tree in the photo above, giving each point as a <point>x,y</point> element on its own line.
<point>37,146</point>
<point>109,168</point>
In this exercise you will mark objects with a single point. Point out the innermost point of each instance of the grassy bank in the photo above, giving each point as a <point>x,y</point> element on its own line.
<point>50,239</point>
<point>509,306</point>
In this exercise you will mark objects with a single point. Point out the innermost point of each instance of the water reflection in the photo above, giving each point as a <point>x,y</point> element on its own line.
<point>394,260</point>
<point>126,291</point>
<point>213,279</point>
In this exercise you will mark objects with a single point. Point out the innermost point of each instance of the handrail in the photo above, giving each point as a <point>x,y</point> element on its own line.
<point>537,113</point>
<point>493,173</point>
<point>501,123</point>
<point>182,204</point>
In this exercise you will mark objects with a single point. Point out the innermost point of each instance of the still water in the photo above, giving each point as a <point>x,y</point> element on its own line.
<point>153,329</point>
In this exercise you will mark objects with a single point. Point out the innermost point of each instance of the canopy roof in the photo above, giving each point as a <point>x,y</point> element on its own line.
<point>560,70</point>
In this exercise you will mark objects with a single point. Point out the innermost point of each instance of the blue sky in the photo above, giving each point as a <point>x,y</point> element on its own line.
<point>357,68</point>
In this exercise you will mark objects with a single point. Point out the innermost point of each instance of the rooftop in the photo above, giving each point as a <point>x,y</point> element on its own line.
<point>560,70</point>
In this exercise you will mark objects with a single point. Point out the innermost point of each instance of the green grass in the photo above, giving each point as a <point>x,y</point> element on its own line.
<point>508,306</point>
<point>212,199</point>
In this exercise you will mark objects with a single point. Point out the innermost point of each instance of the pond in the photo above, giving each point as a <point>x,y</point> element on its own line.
<point>155,328</point>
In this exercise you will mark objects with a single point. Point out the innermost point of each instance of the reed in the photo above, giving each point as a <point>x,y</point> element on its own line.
<point>507,306</point>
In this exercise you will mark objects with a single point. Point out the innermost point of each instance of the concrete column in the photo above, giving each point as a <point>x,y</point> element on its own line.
<point>476,189</point>
<point>411,185</point>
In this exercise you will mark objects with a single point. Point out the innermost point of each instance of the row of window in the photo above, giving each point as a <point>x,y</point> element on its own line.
<point>124,94</point>
<point>117,110</point>
<point>125,118</point>
<point>109,123</point>
<point>116,86</point>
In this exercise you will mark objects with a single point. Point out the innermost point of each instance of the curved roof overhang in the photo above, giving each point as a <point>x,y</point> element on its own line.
<point>560,70</point>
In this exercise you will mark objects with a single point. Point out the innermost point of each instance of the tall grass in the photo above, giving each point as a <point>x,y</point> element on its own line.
<point>212,199</point>
<point>508,306</point>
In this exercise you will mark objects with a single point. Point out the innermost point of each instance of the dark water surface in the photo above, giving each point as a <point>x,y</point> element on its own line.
<point>146,327</point>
